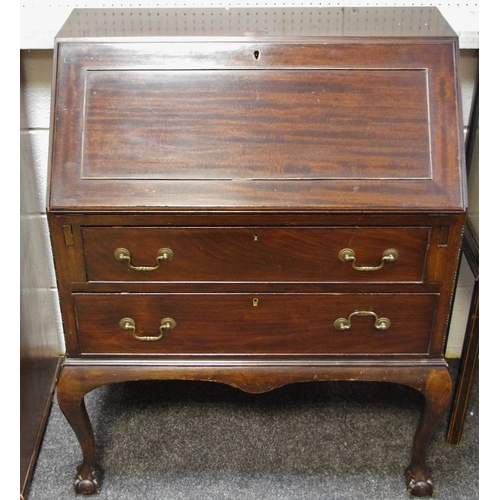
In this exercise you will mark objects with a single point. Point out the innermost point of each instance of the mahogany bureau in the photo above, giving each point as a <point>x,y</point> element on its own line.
<point>256,197</point>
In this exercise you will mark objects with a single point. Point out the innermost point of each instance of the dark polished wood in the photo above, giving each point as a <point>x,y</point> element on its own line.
<point>254,254</point>
<point>245,123</point>
<point>256,202</point>
<point>246,324</point>
<point>274,164</point>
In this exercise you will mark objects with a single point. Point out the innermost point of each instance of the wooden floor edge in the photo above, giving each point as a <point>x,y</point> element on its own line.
<point>43,423</point>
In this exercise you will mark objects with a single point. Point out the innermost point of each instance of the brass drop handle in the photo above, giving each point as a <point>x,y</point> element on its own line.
<point>165,324</point>
<point>123,255</point>
<point>345,324</point>
<point>348,255</point>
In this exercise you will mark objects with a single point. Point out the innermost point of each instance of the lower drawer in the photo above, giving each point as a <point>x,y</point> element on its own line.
<point>224,324</point>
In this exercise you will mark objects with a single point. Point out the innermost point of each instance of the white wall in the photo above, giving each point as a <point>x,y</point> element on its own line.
<point>37,67</point>
<point>40,19</point>
<point>37,277</point>
<point>39,311</point>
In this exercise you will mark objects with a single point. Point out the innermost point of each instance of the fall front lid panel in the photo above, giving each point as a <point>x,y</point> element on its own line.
<point>243,125</point>
<point>233,125</point>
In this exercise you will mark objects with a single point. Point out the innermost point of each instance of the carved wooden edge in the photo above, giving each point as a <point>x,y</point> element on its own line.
<point>252,377</point>
<point>431,380</point>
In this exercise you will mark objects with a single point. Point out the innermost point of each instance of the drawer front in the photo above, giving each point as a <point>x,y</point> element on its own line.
<point>258,254</point>
<point>274,324</point>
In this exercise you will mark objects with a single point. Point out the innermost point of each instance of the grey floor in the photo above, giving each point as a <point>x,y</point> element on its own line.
<point>205,441</point>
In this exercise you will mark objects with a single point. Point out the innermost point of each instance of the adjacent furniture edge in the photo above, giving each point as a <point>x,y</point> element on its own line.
<point>470,349</point>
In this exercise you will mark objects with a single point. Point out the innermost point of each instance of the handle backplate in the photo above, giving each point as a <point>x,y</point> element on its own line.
<point>165,324</point>
<point>123,255</point>
<point>345,323</point>
<point>348,255</point>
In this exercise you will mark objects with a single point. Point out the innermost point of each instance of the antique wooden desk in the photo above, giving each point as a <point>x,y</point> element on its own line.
<point>256,198</point>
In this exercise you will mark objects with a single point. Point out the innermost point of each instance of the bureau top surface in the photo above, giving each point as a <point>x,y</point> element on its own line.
<point>288,110</point>
<point>256,23</point>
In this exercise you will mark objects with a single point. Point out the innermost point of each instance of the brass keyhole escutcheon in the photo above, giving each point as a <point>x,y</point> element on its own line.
<point>255,302</point>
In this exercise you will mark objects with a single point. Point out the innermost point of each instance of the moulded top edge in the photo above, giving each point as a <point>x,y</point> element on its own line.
<point>257,23</point>
<point>79,209</point>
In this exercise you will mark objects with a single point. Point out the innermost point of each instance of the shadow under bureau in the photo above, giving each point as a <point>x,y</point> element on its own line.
<point>256,197</point>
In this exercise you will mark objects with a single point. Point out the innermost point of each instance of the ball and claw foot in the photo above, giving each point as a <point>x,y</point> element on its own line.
<point>89,485</point>
<point>419,483</point>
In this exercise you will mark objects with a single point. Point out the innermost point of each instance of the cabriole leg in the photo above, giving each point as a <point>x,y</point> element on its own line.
<point>437,393</point>
<point>70,393</point>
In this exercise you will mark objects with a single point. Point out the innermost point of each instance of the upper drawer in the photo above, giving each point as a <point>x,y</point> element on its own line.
<point>256,125</point>
<point>265,254</point>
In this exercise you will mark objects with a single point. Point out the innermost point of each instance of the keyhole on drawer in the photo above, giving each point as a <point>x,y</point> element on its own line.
<point>256,54</point>
<point>255,302</point>
<point>256,237</point>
